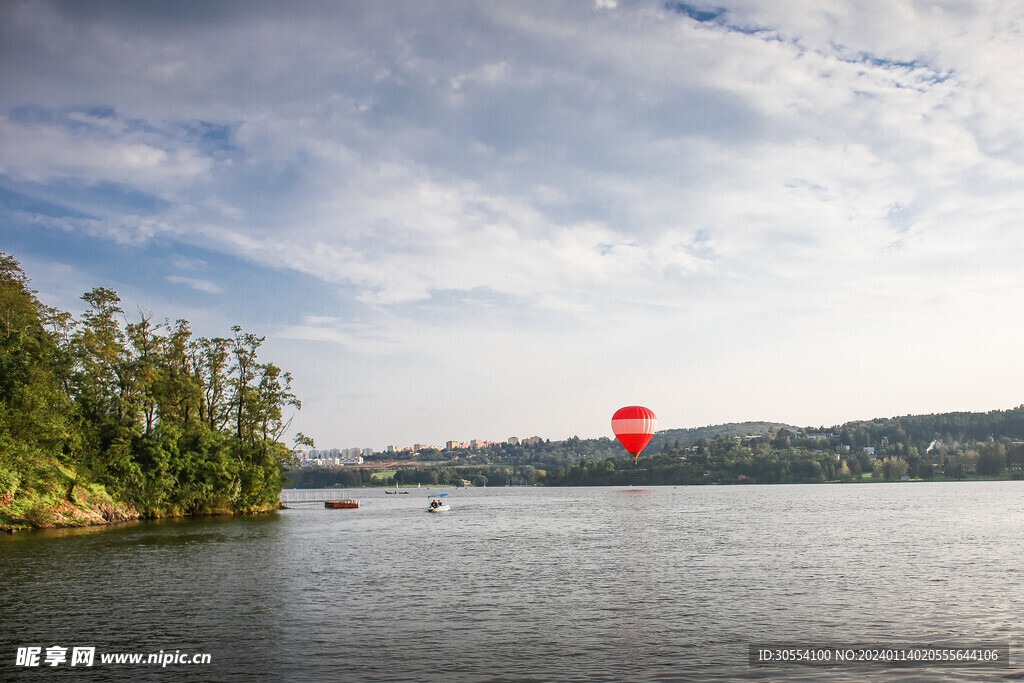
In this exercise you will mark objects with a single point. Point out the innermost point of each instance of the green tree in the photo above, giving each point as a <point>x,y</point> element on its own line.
<point>991,459</point>
<point>844,473</point>
<point>168,424</point>
<point>105,390</point>
<point>210,369</point>
<point>890,469</point>
<point>34,406</point>
<point>177,390</point>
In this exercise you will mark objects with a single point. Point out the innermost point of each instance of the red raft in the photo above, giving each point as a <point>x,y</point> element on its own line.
<point>341,504</point>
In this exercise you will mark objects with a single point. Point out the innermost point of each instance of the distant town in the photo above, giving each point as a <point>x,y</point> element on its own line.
<point>340,457</point>
<point>337,457</point>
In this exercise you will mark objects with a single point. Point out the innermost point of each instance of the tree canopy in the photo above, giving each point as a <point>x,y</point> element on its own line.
<point>164,421</point>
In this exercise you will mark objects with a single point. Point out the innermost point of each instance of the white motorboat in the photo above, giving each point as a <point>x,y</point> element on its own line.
<point>438,503</point>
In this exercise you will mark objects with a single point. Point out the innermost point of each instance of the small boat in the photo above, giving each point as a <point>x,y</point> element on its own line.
<point>390,493</point>
<point>347,504</point>
<point>438,503</point>
<point>404,493</point>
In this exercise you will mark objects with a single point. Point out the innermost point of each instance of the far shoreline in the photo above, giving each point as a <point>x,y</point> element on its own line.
<point>864,480</point>
<point>22,526</point>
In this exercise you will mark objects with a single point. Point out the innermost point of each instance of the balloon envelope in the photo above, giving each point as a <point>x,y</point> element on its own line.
<point>634,427</point>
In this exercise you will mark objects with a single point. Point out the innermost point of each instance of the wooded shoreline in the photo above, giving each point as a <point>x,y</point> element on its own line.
<point>104,419</point>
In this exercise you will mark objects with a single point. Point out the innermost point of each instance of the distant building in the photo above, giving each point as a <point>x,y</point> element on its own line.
<point>327,458</point>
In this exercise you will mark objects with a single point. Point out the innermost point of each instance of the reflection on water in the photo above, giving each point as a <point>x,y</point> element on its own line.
<point>531,584</point>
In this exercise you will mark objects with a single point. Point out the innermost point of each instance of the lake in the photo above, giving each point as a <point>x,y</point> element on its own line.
<point>532,584</point>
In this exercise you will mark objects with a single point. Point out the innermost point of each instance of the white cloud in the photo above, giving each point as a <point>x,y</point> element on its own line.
<point>198,284</point>
<point>773,188</point>
<point>41,153</point>
<point>360,338</point>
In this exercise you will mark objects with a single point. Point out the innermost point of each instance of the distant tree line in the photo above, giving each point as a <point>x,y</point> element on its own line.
<point>427,475</point>
<point>691,435</point>
<point>943,446</point>
<point>164,421</point>
<point>882,450</point>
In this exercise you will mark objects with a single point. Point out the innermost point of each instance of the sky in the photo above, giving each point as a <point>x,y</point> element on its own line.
<point>476,220</point>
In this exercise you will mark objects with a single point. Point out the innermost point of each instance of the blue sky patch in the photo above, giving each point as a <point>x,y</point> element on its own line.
<point>18,202</point>
<point>696,13</point>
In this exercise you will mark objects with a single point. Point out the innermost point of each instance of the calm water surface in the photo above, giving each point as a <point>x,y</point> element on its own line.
<point>520,584</point>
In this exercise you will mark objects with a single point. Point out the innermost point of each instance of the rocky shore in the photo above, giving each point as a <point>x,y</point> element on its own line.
<point>67,514</point>
<point>62,514</point>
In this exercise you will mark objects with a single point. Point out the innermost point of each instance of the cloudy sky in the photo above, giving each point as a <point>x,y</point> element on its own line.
<point>462,220</point>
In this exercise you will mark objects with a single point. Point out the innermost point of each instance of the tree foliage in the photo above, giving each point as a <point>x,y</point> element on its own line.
<point>166,422</point>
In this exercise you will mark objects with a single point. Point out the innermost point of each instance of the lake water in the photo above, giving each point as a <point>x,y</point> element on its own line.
<point>532,584</point>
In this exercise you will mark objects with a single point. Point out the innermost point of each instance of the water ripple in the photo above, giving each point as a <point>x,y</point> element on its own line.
<point>534,584</point>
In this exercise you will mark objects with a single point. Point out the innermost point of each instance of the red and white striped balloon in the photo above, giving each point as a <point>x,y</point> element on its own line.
<point>634,426</point>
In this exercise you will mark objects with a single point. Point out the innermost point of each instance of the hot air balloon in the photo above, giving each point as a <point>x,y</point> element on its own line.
<point>634,426</point>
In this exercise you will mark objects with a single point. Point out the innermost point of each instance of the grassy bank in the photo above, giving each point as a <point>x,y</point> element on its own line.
<point>56,498</point>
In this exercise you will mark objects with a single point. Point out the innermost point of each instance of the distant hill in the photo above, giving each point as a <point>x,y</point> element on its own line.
<point>688,437</point>
<point>914,430</point>
<point>943,447</point>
